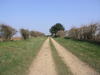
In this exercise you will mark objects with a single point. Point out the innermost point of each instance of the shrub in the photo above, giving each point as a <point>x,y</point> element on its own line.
<point>60,33</point>
<point>36,34</point>
<point>6,32</point>
<point>25,33</point>
<point>87,32</point>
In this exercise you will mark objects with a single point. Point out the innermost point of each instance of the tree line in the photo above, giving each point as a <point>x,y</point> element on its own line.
<point>7,32</point>
<point>90,32</point>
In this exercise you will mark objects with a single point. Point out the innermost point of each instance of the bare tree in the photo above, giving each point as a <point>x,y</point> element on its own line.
<point>86,32</point>
<point>73,33</point>
<point>36,34</point>
<point>97,33</point>
<point>60,33</point>
<point>25,33</point>
<point>6,32</point>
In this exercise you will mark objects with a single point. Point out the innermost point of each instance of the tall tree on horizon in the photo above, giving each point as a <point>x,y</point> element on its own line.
<point>55,28</point>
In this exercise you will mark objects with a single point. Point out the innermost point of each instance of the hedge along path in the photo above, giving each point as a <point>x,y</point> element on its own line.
<point>43,63</point>
<point>75,65</point>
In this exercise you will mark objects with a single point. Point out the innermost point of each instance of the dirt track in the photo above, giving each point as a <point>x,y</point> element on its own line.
<point>43,64</point>
<point>76,66</point>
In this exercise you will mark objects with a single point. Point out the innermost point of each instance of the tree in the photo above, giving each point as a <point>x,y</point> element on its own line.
<point>6,32</point>
<point>97,33</point>
<point>73,33</point>
<point>25,33</point>
<point>36,34</point>
<point>33,34</point>
<point>60,33</point>
<point>57,27</point>
<point>89,32</point>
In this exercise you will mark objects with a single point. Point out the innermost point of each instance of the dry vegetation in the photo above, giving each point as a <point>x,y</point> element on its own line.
<point>7,33</point>
<point>36,34</point>
<point>89,32</point>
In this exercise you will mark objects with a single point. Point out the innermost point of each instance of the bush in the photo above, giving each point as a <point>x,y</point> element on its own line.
<point>36,34</point>
<point>60,33</point>
<point>6,32</point>
<point>25,33</point>
<point>87,32</point>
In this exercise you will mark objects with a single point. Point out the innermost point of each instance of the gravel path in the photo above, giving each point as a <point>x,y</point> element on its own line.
<point>75,65</point>
<point>43,64</point>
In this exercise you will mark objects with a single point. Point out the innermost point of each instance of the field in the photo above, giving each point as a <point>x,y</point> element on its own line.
<point>17,56</point>
<point>85,51</point>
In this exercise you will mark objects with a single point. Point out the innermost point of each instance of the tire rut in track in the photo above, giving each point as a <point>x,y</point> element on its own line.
<point>43,63</point>
<point>75,65</point>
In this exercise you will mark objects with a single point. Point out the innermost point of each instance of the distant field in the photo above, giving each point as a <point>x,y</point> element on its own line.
<point>86,51</point>
<point>16,56</point>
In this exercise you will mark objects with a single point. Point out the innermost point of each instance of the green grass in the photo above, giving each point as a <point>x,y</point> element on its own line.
<point>86,51</point>
<point>61,67</point>
<point>17,56</point>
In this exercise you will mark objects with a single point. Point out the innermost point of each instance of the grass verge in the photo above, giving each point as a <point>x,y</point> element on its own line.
<point>61,67</point>
<point>17,56</point>
<point>86,51</point>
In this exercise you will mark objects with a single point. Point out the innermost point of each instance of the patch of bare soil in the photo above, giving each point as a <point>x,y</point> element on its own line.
<point>75,65</point>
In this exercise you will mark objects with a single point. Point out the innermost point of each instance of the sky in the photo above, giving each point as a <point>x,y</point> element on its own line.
<point>40,15</point>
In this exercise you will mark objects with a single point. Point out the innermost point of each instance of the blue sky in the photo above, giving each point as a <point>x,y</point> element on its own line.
<point>42,14</point>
